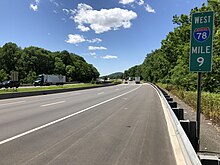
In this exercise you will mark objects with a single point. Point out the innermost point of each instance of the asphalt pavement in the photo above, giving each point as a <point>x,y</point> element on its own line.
<point>117,125</point>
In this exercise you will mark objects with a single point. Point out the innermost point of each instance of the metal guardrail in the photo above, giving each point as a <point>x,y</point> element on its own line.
<point>188,151</point>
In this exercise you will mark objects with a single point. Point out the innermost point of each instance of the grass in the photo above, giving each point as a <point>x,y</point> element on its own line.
<point>43,88</point>
<point>210,103</point>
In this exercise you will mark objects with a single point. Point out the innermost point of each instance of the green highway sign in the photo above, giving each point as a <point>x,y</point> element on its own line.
<point>201,42</point>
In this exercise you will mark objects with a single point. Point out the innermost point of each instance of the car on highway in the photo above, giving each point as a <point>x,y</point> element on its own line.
<point>10,84</point>
<point>1,85</point>
<point>125,81</point>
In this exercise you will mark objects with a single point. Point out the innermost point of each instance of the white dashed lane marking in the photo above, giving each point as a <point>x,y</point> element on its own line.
<point>18,102</point>
<point>45,105</point>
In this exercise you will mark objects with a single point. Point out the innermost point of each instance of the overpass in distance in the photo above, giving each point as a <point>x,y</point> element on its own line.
<point>118,125</point>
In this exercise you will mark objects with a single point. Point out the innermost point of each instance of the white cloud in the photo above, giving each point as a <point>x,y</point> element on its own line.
<point>83,28</point>
<point>55,3</point>
<point>125,2</point>
<point>97,48</point>
<point>75,39</point>
<point>109,57</point>
<point>37,1</point>
<point>149,9</point>
<point>73,11</point>
<point>130,2</point>
<point>33,7</point>
<point>66,11</point>
<point>140,2</point>
<point>102,20</point>
<point>95,40</point>
<point>93,54</point>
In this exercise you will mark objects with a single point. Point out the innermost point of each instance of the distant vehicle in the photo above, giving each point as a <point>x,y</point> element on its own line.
<point>1,85</point>
<point>45,79</point>
<point>137,80</point>
<point>10,84</point>
<point>130,79</point>
<point>100,81</point>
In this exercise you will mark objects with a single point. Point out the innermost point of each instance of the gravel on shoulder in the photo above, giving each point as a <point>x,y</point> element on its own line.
<point>209,132</point>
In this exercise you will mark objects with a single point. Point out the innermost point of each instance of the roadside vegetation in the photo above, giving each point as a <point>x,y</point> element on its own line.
<point>210,104</point>
<point>117,75</point>
<point>170,64</point>
<point>43,88</point>
<point>32,61</point>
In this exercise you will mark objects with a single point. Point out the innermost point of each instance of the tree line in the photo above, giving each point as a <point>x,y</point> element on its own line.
<point>170,63</point>
<point>32,61</point>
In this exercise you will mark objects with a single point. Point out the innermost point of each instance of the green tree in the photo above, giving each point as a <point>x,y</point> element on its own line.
<point>31,77</point>
<point>70,72</point>
<point>9,55</point>
<point>32,61</point>
<point>59,66</point>
<point>3,75</point>
<point>170,63</point>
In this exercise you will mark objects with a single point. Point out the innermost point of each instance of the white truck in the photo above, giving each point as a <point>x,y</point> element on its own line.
<point>137,80</point>
<point>45,79</point>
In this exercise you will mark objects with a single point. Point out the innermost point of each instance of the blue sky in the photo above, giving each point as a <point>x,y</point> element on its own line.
<point>113,35</point>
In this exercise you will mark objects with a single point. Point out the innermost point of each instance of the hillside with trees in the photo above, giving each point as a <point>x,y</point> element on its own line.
<point>170,63</point>
<point>32,61</point>
<point>117,75</point>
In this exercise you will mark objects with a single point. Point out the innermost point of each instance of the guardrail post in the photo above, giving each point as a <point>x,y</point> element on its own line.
<point>193,134</point>
<point>185,125</point>
<point>179,112</point>
<point>190,129</point>
<point>208,159</point>
<point>165,93</point>
<point>172,104</point>
<point>170,99</point>
<point>167,96</point>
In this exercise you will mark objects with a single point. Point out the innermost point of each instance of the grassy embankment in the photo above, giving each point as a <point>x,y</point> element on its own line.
<point>43,88</point>
<point>210,104</point>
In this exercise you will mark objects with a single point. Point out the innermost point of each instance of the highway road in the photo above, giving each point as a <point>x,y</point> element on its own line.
<point>117,125</point>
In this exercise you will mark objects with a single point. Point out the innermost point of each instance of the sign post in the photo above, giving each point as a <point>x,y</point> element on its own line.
<point>201,53</point>
<point>14,76</point>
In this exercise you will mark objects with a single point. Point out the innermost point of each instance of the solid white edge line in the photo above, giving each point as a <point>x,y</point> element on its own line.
<point>179,157</point>
<point>63,118</point>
